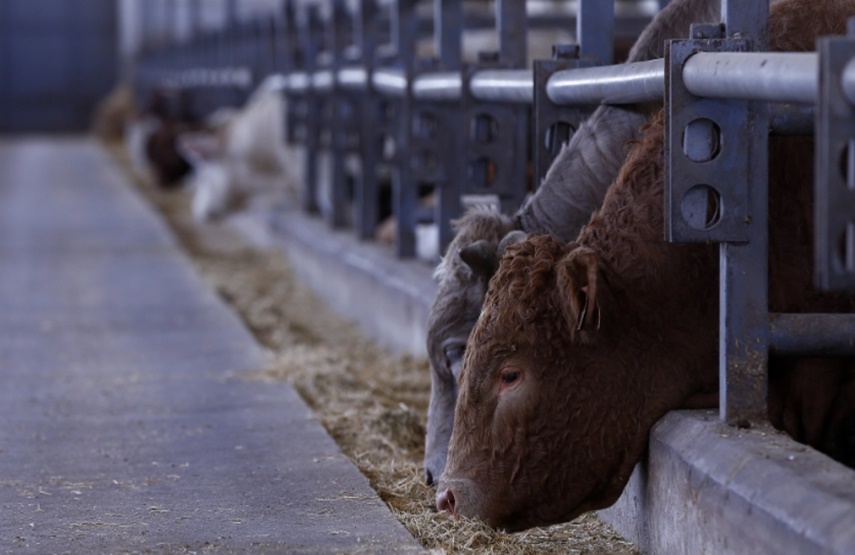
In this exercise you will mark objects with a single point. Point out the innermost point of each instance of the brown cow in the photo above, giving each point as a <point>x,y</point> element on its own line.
<point>580,348</point>
<point>573,188</point>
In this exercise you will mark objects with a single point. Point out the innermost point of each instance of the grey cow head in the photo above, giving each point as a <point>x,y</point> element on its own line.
<point>472,258</point>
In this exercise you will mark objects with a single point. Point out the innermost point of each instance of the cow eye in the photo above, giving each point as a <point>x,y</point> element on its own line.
<point>510,377</point>
<point>453,354</point>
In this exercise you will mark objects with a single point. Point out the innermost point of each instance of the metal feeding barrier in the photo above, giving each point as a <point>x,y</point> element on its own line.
<point>358,88</point>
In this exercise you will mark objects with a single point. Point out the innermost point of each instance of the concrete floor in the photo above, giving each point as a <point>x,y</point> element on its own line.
<point>130,418</point>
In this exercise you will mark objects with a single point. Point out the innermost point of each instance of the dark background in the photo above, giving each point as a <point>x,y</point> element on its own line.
<point>58,58</point>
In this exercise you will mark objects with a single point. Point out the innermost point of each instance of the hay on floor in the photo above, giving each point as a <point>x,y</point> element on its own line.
<point>373,403</point>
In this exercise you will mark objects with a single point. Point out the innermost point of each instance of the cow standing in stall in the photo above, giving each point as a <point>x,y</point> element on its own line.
<point>573,188</point>
<point>243,157</point>
<point>581,347</point>
<point>165,121</point>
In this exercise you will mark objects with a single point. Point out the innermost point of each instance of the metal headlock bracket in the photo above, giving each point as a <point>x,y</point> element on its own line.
<point>834,200</point>
<point>717,190</point>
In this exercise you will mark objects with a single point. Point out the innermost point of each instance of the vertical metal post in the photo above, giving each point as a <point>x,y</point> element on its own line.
<point>448,141</point>
<point>834,196</point>
<point>231,48</point>
<point>231,13</point>
<point>496,134</point>
<point>512,25</point>
<point>373,124</point>
<point>164,26</point>
<point>284,36</point>
<point>449,144</point>
<point>264,47</point>
<point>174,19</point>
<point>311,25</point>
<point>744,267</point>
<point>747,19</point>
<point>717,156</point>
<point>448,31</point>
<point>717,190</point>
<point>554,125</point>
<point>341,110</point>
<point>405,30</point>
<point>595,30</point>
<point>195,18</point>
<point>292,60</point>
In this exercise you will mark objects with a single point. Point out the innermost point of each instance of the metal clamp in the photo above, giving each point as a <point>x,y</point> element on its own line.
<point>716,177</point>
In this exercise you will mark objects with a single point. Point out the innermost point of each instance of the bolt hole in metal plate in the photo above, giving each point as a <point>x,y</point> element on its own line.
<point>847,164</point>
<point>482,172</point>
<point>483,129</point>
<point>427,161</point>
<point>701,207</point>
<point>701,140</point>
<point>386,111</point>
<point>425,125</point>
<point>846,248</point>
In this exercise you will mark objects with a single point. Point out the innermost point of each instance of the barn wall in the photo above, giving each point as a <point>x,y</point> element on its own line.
<point>57,60</point>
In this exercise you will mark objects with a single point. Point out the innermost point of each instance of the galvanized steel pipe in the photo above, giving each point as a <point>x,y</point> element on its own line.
<point>617,84</point>
<point>812,334</point>
<point>354,77</point>
<point>438,86</point>
<point>503,85</point>
<point>497,85</point>
<point>392,82</point>
<point>299,82</point>
<point>763,76</point>
<point>322,80</point>
<point>791,119</point>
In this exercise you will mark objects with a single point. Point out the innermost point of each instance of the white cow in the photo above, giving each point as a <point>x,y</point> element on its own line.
<point>244,158</point>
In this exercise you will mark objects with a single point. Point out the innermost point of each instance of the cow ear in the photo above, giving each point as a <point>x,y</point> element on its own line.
<point>512,238</point>
<point>481,257</point>
<point>582,292</point>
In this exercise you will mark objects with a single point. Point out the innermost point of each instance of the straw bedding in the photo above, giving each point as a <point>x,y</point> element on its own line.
<point>372,402</point>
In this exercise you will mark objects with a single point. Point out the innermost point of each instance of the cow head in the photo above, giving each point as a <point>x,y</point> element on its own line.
<point>471,260</point>
<point>552,413</point>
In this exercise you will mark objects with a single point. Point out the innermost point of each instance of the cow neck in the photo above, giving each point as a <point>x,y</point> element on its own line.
<point>667,291</point>
<point>628,231</point>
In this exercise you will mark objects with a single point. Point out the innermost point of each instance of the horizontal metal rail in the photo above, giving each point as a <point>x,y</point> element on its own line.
<point>322,80</point>
<point>438,86</point>
<point>778,77</point>
<point>497,85</point>
<point>505,85</point>
<point>213,77</point>
<point>299,81</point>
<point>617,84</point>
<point>353,78</point>
<point>763,76</point>
<point>391,82</point>
<point>812,334</point>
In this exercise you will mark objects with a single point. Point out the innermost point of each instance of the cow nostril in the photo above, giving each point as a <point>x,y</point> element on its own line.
<point>445,502</point>
<point>428,477</point>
